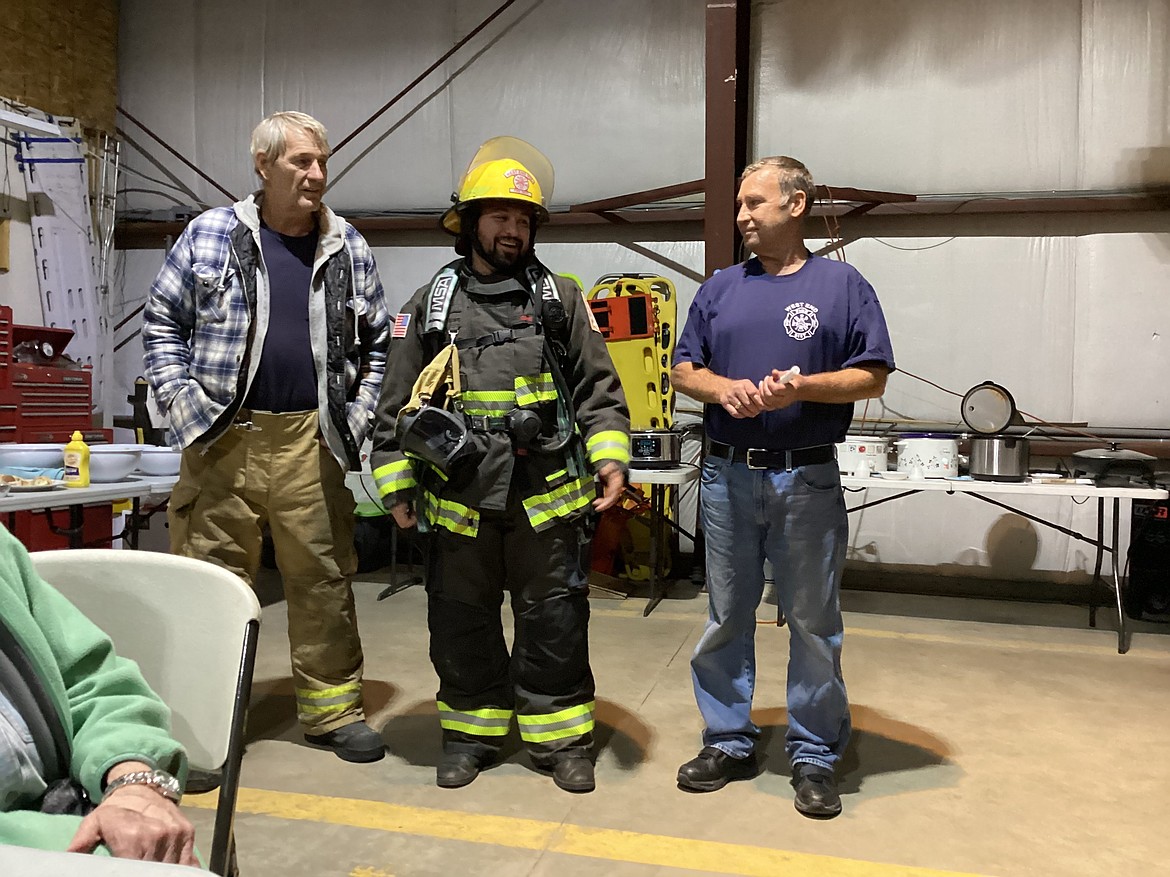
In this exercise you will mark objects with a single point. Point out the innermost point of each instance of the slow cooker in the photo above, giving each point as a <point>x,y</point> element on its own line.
<point>933,456</point>
<point>655,448</point>
<point>863,448</point>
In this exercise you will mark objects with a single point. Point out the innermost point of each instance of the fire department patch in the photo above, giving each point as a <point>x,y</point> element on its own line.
<point>801,321</point>
<point>521,182</point>
<point>401,324</point>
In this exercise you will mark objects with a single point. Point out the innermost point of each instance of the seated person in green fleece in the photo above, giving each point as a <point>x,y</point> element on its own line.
<point>74,716</point>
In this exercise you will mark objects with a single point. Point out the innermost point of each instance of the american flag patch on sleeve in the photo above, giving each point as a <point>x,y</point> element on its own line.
<point>401,324</point>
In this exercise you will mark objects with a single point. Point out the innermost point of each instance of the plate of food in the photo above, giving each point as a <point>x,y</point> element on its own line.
<point>16,484</point>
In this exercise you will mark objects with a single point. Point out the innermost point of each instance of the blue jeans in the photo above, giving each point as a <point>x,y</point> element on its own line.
<point>797,521</point>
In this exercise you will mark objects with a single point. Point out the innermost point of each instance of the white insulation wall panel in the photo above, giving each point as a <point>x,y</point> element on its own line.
<point>921,96</point>
<point>913,96</point>
<point>1075,327</point>
<point>223,66</point>
<point>573,78</point>
<point>1121,356</point>
<point>967,310</point>
<point>611,90</point>
<point>1125,94</point>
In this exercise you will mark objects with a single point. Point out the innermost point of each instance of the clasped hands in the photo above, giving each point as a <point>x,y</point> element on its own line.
<point>743,398</point>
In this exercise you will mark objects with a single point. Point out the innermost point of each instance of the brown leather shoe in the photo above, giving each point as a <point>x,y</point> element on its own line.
<point>712,769</point>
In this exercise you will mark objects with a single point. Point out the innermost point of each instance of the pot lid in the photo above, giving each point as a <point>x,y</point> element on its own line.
<point>988,408</point>
<point>1112,454</point>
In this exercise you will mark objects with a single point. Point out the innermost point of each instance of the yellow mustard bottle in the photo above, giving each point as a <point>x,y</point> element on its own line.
<point>77,462</point>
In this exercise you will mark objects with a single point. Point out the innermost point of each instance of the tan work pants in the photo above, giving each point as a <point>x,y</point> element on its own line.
<point>279,474</point>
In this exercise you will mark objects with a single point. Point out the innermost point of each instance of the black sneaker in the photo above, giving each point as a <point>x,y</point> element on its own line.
<point>816,792</point>
<point>356,742</point>
<point>712,769</point>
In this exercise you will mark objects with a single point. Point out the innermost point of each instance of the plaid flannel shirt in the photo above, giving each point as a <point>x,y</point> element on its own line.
<point>196,323</point>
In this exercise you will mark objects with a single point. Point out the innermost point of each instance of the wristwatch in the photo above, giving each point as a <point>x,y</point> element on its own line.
<point>159,780</point>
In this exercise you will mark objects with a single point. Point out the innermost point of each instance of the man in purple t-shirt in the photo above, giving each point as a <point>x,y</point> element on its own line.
<point>771,488</point>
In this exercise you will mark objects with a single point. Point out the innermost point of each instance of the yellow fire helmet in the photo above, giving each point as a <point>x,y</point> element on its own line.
<point>504,168</point>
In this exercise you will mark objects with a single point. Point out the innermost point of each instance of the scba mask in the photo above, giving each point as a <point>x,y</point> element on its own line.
<point>439,437</point>
<point>428,432</point>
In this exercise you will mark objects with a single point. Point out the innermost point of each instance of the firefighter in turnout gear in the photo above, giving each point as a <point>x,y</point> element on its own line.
<point>499,406</point>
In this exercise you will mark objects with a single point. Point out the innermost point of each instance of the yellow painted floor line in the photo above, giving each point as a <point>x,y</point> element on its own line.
<point>555,837</point>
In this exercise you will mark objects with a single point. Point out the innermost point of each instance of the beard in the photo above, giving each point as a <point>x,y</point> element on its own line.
<point>503,259</point>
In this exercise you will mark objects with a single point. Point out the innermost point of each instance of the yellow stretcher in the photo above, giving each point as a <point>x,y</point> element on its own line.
<point>643,366</point>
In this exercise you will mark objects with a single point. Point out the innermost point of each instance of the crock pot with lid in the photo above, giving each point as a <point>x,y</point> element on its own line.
<point>999,458</point>
<point>857,449</point>
<point>655,448</point>
<point>935,456</point>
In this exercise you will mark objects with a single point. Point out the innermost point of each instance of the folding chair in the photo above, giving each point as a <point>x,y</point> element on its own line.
<point>192,628</point>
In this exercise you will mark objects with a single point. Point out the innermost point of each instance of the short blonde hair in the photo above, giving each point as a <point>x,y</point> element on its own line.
<point>268,138</point>
<point>792,174</point>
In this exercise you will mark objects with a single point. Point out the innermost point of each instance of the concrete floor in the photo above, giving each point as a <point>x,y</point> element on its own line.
<point>991,738</point>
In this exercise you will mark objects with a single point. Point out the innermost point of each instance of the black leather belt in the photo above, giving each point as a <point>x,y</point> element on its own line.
<point>762,458</point>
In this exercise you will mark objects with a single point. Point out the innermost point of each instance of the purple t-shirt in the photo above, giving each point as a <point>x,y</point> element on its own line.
<point>745,322</point>
<point>286,379</point>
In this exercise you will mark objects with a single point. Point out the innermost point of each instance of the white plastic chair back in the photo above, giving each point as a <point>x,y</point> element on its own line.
<point>182,620</point>
<point>192,628</point>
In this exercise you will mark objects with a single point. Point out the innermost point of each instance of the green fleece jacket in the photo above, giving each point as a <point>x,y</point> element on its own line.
<point>109,712</point>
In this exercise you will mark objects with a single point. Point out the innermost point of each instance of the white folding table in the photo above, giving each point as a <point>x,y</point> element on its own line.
<point>985,490</point>
<point>74,499</point>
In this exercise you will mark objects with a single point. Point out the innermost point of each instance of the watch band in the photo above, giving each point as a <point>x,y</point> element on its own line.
<point>159,780</point>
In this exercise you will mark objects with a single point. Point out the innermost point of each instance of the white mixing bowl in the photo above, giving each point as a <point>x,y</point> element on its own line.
<point>46,456</point>
<point>159,461</point>
<point>113,462</point>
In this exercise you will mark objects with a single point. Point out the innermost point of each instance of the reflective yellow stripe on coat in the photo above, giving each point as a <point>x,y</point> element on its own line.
<point>450,515</point>
<point>394,478</point>
<point>490,403</point>
<point>560,502</point>
<point>609,444</point>
<point>535,388</point>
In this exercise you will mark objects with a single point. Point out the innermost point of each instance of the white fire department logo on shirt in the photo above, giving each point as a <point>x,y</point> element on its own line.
<point>801,321</point>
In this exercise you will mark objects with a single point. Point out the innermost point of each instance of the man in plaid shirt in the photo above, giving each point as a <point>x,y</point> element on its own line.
<point>266,334</point>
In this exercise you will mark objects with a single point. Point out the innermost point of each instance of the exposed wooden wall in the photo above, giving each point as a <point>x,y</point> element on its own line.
<point>61,57</point>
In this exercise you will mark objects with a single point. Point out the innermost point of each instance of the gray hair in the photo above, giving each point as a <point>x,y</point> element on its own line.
<point>268,137</point>
<point>792,174</point>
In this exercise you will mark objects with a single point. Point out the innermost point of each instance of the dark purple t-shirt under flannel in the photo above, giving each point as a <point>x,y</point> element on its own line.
<point>745,322</point>
<point>286,379</point>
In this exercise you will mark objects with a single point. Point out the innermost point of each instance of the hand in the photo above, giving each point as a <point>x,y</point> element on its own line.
<point>741,399</point>
<point>775,395</point>
<point>136,822</point>
<point>613,481</point>
<point>404,515</point>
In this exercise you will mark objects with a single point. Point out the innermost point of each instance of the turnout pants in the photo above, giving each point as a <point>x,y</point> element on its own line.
<point>545,681</point>
<point>278,474</point>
